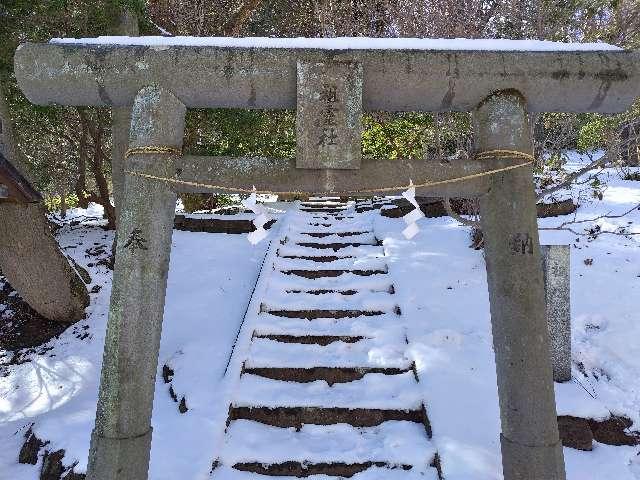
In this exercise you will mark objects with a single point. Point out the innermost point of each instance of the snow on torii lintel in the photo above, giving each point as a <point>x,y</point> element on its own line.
<point>346,43</point>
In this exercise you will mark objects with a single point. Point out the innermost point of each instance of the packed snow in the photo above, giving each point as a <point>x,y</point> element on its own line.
<point>346,43</point>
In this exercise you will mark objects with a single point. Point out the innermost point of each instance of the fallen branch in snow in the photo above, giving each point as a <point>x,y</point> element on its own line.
<point>596,230</point>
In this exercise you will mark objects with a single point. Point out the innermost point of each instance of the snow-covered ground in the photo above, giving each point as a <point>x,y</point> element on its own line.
<point>440,286</point>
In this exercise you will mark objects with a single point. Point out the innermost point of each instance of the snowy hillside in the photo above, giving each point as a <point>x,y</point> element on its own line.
<point>439,286</point>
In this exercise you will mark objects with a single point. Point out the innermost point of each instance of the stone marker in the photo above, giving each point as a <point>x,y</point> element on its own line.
<point>556,269</point>
<point>531,447</point>
<point>329,115</point>
<point>121,439</point>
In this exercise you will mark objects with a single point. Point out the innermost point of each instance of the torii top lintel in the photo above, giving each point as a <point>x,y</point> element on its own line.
<point>398,74</point>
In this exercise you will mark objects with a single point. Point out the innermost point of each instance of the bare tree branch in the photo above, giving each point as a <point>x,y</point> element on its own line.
<point>566,226</point>
<point>234,27</point>
<point>573,176</point>
<point>455,216</point>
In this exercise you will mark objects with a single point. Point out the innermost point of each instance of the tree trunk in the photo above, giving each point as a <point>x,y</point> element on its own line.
<point>30,258</point>
<point>103,186</point>
<point>63,204</point>
<point>97,133</point>
<point>81,182</point>
<point>34,266</point>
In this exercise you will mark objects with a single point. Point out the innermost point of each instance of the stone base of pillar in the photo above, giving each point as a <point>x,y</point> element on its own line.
<point>119,458</point>
<point>531,462</point>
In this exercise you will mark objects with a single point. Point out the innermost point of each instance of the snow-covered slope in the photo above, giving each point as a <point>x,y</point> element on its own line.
<point>440,287</point>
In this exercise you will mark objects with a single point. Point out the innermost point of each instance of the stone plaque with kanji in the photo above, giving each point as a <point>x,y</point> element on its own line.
<point>329,116</point>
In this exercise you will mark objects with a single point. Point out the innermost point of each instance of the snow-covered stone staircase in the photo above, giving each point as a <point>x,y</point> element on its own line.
<point>326,390</point>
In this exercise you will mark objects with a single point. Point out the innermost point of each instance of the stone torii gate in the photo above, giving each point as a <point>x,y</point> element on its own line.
<point>330,88</point>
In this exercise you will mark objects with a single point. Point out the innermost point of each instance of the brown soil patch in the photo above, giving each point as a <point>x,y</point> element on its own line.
<point>575,433</point>
<point>614,431</point>
<point>23,331</point>
<point>578,433</point>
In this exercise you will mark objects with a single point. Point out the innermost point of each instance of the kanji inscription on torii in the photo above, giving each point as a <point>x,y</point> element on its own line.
<point>329,115</point>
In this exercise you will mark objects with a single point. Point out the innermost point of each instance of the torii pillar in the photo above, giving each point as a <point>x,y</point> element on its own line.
<point>121,439</point>
<point>531,448</point>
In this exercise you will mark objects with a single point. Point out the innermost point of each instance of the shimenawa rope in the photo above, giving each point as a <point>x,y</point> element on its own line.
<point>488,154</point>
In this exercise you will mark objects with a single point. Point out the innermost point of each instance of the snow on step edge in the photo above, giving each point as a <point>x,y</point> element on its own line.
<point>364,353</point>
<point>392,442</point>
<point>374,390</point>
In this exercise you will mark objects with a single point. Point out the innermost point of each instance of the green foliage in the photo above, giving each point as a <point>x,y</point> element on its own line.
<point>234,132</point>
<point>40,20</point>
<point>194,202</point>
<point>593,133</point>
<point>412,135</point>
<point>400,136</point>
<point>53,203</point>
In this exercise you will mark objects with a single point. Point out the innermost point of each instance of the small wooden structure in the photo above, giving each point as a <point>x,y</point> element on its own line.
<point>13,186</point>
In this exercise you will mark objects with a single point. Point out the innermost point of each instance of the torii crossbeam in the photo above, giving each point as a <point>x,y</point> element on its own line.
<point>330,84</point>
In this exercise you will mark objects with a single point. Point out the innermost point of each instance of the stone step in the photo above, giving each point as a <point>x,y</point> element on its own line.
<point>346,281</point>
<point>346,263</point>
<point>317,259</point>
<point>330,375</point>
<point>387,352</point>
<point>295,471</point>
<point>326,201</point>
<point>323,340</point>
<point>313,274</point>
<point>334,246</point>
<point>368,250</point>
<point>327,198</point>
<point>327,210</point>
<point>379,326</point>
<point>331,470</point>
<point>391,443</point>
<point>366,301</point>
<point>324,205</point>
<point>324,292</point>
<point>369,245</point>
<point>340,234</point>
<point>374,391</point>
<point>328,226</point>
<point>296,417</point>
<point>315,314</point>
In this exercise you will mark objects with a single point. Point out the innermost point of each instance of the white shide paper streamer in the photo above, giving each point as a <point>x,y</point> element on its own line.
<point>414,215</point>
<point>261,219</point>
